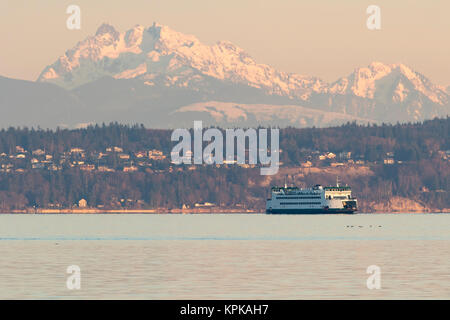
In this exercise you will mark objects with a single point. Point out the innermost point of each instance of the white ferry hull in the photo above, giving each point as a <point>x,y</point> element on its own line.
<point>316,200</point>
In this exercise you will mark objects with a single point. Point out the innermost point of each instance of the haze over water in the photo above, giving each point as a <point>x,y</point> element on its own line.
<point>225,256</point>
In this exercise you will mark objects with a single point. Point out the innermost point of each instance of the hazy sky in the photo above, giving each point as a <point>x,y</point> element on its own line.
<point>325,38</point>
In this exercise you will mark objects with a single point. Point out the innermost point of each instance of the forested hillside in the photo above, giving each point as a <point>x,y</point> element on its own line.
<point>117,166</point>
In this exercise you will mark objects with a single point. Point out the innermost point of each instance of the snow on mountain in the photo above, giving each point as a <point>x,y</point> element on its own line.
<point>229,114</point>
<point>361,82</point>
<point>147,53</point>
<point>160,65</point>
<point>364,82</point>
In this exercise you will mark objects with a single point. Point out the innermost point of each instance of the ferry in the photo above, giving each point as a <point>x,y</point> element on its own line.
<point>315,200</point>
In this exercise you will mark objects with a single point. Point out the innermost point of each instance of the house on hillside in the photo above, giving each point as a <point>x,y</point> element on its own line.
<point>140,154</point>
<point>156,155</point>
<point>38,152</point>
<point>114,149</point>
<point>130,169</point>
<point>19,149</point>
<point>76,150</point>
<point>124,156</point>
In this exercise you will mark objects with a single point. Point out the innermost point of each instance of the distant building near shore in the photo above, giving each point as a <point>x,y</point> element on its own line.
<point>306,164</point>
<point>82,203</point>
<point>337,164</point>
<point>345,155</point>
<point>204,205</point>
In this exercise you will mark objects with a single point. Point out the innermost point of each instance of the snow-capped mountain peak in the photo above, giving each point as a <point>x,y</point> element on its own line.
<point>106,28</point>
<point>168,52</point>
<point>400,79</point>
<point>160,56</point>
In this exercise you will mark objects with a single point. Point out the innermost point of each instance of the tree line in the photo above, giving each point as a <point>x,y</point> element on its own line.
<point>423,175</point>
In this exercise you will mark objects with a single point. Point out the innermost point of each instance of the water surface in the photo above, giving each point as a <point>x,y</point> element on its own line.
<point>225,256</point>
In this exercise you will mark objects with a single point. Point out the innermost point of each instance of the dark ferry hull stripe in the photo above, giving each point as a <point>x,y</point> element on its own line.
<point>310,211</point>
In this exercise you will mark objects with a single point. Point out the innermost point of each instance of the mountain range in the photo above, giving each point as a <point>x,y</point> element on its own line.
<point>163,78</point>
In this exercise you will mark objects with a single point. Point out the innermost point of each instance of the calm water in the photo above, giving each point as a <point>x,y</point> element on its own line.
<point>225,256</point>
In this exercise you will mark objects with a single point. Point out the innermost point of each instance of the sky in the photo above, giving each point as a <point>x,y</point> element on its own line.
<point>324,38</point>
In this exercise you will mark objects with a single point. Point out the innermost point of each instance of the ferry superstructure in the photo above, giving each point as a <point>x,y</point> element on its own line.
<point>315,200</point>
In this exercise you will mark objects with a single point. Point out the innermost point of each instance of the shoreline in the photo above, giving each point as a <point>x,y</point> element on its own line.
<point>130,211</point>
<point>181,211</point>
